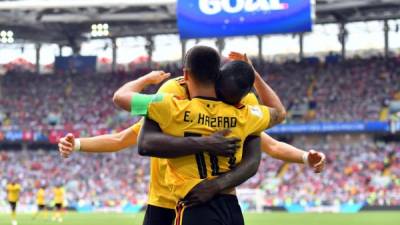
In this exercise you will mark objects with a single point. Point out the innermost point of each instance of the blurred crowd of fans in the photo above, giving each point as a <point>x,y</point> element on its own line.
<point>358,170</point>
<point>99,180</point>
<point>354,90</point>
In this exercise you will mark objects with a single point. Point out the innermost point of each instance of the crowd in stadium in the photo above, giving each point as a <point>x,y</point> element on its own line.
<point>104,180</point>
<point>354,175</point>
<point>354,90</point>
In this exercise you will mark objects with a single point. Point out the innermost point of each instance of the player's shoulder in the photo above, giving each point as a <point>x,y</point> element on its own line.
<point>256,110</point>
<point>175,86</point>
<point>177,81</point>
<point>250,99</point>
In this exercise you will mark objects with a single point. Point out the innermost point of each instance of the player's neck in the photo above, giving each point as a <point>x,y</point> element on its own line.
<point>204,91</point>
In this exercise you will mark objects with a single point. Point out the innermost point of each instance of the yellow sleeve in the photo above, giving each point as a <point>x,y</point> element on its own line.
<point>136,127</point>
<point>160,111</point>
<point>173,86</point>
<point>250,99</point>
<point>156,107</point>
<point>259,119</point>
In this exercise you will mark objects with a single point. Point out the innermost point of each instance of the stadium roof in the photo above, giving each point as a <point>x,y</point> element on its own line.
<point>69,22</point>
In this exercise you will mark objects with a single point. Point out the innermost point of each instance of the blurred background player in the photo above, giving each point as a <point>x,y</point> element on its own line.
<point>41,202</point>
<point>13,191</point>
<point>59,194</point>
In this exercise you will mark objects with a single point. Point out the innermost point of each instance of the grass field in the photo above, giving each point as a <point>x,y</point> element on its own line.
<point>364,218</point>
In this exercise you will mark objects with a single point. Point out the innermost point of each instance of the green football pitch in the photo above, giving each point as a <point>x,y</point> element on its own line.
<point>364,218</point>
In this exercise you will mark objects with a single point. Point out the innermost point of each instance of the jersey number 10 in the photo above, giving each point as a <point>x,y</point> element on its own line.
<point>201,162</point>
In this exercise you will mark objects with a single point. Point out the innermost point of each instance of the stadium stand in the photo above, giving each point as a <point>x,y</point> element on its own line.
<point>83,102</point>
<point>310,92</point>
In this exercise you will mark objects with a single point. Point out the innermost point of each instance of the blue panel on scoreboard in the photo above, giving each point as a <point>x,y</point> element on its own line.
<point>221,18</point>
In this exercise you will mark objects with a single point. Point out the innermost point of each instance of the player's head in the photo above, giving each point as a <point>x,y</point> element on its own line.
<point>235,81</point>
<point>202,65</point>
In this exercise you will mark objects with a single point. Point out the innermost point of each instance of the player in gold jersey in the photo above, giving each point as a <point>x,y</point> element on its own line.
<point>59,194</point>
<point>41,202</point>
<point>13,192</point>
<point>202,115</point>
<point>158,193</point>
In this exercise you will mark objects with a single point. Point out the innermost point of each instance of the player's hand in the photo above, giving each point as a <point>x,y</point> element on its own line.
<point>219,144</point>
<point>66,145</point>
<point>156,77</point>
<point>316,160</point>
<point>201,193</point>
<point>240,57</point>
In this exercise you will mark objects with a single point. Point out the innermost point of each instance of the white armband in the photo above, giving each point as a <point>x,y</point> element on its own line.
<point>77,145</point>
<point>305,158</point>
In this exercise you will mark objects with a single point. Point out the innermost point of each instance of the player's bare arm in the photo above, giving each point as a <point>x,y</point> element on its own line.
<point>97,144</point>
<point>247,168</point>
<point>288,153</point>
<point>315,159</point>
<point>152,142</point>
<point>123,96</point>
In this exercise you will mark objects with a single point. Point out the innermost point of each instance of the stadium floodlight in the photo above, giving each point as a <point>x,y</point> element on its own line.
<point>94,33</point>
<point>100,30</point>
<point>6,36</point>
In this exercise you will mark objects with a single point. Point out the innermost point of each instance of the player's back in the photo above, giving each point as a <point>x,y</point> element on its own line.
<point>203,116</point>
<point>58,195</point>
<point>41,197</point>
<point>159,193</point>
<point>13,191</point>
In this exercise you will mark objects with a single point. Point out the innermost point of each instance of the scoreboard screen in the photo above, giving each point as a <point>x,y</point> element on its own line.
<point>223,18</point>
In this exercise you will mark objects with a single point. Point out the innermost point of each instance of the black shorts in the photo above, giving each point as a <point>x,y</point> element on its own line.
<point>222,209</point>
<point>41,207</point>
<point>158,216</point>
<point>58,206</point>
<point>13,206</point>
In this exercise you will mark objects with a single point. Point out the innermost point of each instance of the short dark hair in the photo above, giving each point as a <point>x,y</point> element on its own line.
<point>235,81</point>
<point>203,63</point>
